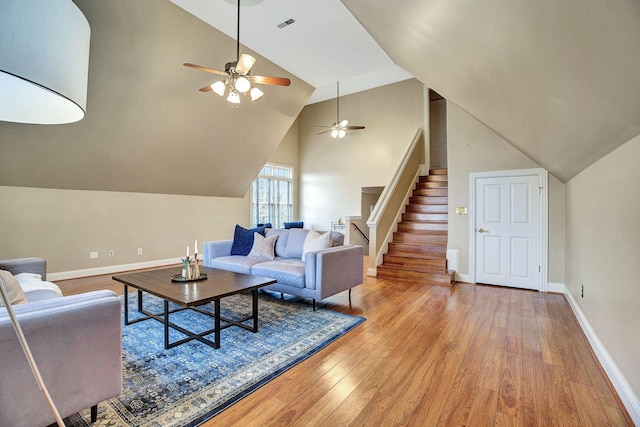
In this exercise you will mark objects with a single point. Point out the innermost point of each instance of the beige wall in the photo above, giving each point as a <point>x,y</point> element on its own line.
<point>472,147</point>
<point>603,253</point>
<point>287,154</point>
<point>334,172</point>
<point>63,226</point>
<point>148,129</point>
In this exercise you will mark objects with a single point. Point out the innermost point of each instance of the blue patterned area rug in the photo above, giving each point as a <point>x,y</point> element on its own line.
<point>189,384</point>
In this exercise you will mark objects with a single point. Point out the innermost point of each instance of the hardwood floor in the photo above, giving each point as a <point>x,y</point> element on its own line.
<point>436,356</point>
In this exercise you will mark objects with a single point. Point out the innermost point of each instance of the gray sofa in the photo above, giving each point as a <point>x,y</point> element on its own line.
<point>323,273</point>
<point>77,344</point>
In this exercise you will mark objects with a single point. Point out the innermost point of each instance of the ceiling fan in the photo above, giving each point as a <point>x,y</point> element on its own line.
<point>237,77</point>
<point>341,127</point>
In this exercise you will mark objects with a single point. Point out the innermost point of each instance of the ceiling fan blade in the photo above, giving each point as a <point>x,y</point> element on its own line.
<point>207,88</point>
<point>323,126</point>
<point>320,133</point>
<point>265,80</point>
<point>354,127</point>
<point>245,63</point>
<point>208,70</point>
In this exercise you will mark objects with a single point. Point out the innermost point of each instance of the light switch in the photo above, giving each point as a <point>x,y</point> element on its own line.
<point>461,210</point>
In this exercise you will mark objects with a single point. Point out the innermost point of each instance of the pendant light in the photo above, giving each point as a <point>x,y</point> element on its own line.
<point>44,61</point>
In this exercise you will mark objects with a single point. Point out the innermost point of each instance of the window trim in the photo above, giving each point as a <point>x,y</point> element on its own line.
<point>291,180</point>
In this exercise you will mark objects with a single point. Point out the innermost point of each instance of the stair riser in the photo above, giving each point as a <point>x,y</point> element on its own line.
<point>430,200</point>
<point>441,279</point>
<point>427,239</point>
<point>434,192</point>
<point>440,171</point>
<point>412,216</point>
<point>414,263</point>
<point>408,248</point>
<point>423,227</point>
<point>435,184</point>
<point>426,191</point>
<point>433,178</point>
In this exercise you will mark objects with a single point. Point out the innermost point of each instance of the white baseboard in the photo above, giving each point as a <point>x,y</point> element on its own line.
<point>558,288</point>
<point>373,272</point>
<point>462,278</point>
<point>628,397</point>
<point>110,269</point>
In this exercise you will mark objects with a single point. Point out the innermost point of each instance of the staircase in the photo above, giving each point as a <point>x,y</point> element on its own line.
<point>418,251</point>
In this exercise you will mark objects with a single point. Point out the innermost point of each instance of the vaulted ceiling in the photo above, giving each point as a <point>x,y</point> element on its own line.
<point>559,80</point>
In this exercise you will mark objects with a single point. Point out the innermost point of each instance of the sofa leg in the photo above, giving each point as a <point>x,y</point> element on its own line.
<point>349,295</point>
<point>94,413</point>
<point>314,304</point>
<point>281,295</point>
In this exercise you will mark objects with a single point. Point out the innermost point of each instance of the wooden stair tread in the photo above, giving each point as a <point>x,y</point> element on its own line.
<point>419,257</point>
<point>438,171</point>
<point>431,200</point>
<point>427,232</point>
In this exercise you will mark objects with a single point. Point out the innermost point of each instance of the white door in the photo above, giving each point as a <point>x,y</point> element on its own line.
<point>508,231</point>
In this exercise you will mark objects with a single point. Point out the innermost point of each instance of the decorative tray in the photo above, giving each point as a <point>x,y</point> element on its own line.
<point>179,278</point>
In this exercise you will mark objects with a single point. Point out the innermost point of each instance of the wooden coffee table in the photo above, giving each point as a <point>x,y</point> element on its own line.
<point>191,295</point>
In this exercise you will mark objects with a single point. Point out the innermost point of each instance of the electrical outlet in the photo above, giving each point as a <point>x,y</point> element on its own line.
<point>139,251</point>
<point>93,255</point>
<point>581,290</point>
<point>110,252</point>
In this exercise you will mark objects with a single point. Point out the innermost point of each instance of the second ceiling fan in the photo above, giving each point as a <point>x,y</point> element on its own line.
<point>237,76</point>
<point>340,128</point>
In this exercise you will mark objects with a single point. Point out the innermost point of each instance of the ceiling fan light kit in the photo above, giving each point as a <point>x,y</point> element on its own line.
<point>237,77</point>
<point>341,127</point>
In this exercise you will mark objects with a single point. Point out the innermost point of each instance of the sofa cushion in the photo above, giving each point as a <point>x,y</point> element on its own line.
<point>337,239</point>
<point>235,263</point>
<point>12,288</point>
<point>263,247</point>
<point>243,240</point>
<point>295,243</point>
<point>285,271</point>
<point>294,224</point>
<point>281,243</point>
<point>315,241</point>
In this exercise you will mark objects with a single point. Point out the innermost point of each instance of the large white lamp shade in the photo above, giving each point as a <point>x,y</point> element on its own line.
<point>44,61</point>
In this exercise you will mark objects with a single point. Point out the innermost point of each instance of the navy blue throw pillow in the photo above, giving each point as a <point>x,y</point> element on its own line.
<point>297,224</point>
<point>243,240</point>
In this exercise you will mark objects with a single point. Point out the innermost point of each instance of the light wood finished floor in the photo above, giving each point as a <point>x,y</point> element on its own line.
<point>436,356</point>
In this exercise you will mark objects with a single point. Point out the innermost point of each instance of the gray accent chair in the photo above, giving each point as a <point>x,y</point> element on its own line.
<point>77,344</point>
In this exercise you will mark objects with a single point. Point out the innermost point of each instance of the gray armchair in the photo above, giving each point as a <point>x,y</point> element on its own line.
<point>77,344</point>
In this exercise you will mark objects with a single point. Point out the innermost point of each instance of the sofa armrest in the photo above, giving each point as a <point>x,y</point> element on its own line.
<point>77,344</point>
<point>25,265</point>
<point>215,249</point>
<point>335,269</point>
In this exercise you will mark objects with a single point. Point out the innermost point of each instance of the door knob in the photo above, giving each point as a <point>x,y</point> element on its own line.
<point>482,230</point>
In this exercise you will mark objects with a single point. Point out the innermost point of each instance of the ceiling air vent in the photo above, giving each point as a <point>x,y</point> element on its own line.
<point>286,23</point>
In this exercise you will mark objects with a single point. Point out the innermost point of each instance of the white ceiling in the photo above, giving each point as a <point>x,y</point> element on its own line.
<point>326,44</point>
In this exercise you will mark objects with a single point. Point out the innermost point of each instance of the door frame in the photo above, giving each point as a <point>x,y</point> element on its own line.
<point>543,185</point>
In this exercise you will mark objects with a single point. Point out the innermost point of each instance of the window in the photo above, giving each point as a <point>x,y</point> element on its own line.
<point>272,196</point>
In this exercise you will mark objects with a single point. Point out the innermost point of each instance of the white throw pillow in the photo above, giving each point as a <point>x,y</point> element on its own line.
<point>315,242</point>
<point>263,247</point>
<point>14,291</point>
